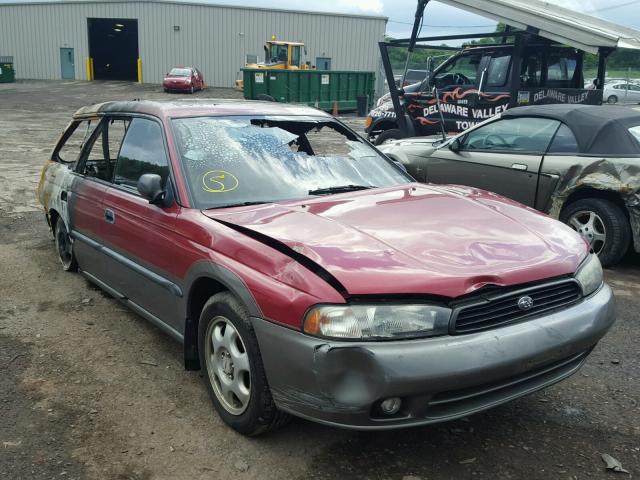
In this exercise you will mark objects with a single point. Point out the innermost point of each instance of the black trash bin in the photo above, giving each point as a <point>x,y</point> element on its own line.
<point>362,102</point>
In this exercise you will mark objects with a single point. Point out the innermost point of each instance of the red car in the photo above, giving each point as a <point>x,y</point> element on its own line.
<point>183,79</point>
<point>308,274</point>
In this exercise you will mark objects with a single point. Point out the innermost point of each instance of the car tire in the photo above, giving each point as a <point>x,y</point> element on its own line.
<point>612,99</point>
<point>231,361</point>
<point>591,215</point>
<point>166,90</point>
<point>388,135</point>
<point>64,247</point>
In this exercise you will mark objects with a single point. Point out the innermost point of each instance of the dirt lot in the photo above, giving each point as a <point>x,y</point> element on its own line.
<point>90,390</point>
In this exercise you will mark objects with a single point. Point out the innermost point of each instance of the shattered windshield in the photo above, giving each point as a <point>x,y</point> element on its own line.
<point>239,160</point>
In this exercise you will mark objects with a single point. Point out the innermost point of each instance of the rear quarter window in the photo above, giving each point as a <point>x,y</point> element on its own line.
<point>68,151</point>
<point>564,141</point>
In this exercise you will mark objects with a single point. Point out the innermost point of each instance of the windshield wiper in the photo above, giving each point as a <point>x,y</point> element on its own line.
<point>339,189</point>
<point>239,204</point>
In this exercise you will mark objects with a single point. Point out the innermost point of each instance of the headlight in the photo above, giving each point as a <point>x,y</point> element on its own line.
<point>371,322</point>
<point>589,274</point>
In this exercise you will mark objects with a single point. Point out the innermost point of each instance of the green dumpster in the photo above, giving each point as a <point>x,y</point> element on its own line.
<point>7,73</point>
<point>317,88</point>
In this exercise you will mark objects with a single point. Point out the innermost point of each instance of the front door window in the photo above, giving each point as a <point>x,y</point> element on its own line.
<point>142,152</point>
<point>462,71</point>
<point>522,135</point>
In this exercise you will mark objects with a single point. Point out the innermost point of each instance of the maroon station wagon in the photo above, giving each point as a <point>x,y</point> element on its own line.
<point>308,274</point>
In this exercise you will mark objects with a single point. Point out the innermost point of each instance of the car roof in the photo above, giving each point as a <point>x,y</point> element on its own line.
<point>199,107</point>
<point>599,129</point>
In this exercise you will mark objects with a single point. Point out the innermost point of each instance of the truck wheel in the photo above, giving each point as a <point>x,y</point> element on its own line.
<point>612,99</point>
<point>64,246</point>
<point>601,223</point>
<point>265,98</point>
<point>234,372</point>
<point>388,136</point>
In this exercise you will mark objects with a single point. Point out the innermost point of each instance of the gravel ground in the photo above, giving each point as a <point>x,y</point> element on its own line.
<point>90,390</point>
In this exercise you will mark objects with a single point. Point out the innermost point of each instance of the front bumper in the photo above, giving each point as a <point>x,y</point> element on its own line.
<point>177,87</point>
<point>438,379</point>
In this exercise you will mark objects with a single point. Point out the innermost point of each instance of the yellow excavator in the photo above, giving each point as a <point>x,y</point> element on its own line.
<point>280,54</point>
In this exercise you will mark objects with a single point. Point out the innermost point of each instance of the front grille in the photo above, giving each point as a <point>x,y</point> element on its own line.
<point>498,308</point>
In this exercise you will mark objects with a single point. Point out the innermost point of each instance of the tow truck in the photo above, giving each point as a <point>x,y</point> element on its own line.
<point>538,59</point>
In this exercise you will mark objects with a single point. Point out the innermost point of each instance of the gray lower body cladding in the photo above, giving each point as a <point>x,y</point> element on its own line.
<point>438,379</point>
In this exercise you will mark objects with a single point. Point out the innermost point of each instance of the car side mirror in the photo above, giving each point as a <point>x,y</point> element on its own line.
<point>150,187</point>
<point>455,146</point>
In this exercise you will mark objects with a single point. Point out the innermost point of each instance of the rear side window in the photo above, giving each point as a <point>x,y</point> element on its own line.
<point>498,71</point>
<point>96,162</point>
<point>142,152</point>
<point>564,141</point>
<point>531,70</point>
<point>117,130</point>
<point>100,156</point>
<point>560,70</point>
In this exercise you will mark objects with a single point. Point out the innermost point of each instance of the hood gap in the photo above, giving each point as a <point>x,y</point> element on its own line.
<point>288,251</point>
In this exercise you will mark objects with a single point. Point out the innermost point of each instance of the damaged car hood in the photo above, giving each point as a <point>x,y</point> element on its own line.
<point>416,239</point>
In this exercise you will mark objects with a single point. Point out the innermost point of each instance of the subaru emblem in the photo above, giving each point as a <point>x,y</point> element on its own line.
<point>525,303</point>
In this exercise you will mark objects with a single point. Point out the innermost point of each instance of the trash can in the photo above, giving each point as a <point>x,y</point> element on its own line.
<point>363,103</point>
<point>7,73</point>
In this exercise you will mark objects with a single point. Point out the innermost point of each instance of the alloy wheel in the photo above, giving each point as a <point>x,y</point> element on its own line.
<point>228,365</point>
<point>591,227</point>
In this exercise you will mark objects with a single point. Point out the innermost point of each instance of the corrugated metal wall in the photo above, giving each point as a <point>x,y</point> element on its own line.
<point>214,38</point>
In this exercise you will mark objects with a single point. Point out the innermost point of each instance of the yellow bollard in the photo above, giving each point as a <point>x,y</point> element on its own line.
<point>139,70</point>
<point>88,64</point>
<point>93,75</point>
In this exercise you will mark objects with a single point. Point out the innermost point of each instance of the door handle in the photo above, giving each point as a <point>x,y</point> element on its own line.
<point>109,216</point>
<point>520,166</point>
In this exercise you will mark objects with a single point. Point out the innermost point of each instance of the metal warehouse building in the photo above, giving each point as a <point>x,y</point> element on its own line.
<point>54,40</point>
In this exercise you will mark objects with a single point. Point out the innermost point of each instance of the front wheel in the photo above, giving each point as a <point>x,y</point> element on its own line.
<point>234,373</point>
<point>603,225</point>
<point>388,136</point>
<point>64,246</point>
<point>612,99</point>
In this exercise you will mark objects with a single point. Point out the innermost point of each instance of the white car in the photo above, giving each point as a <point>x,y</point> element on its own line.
<point>622,92</point>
